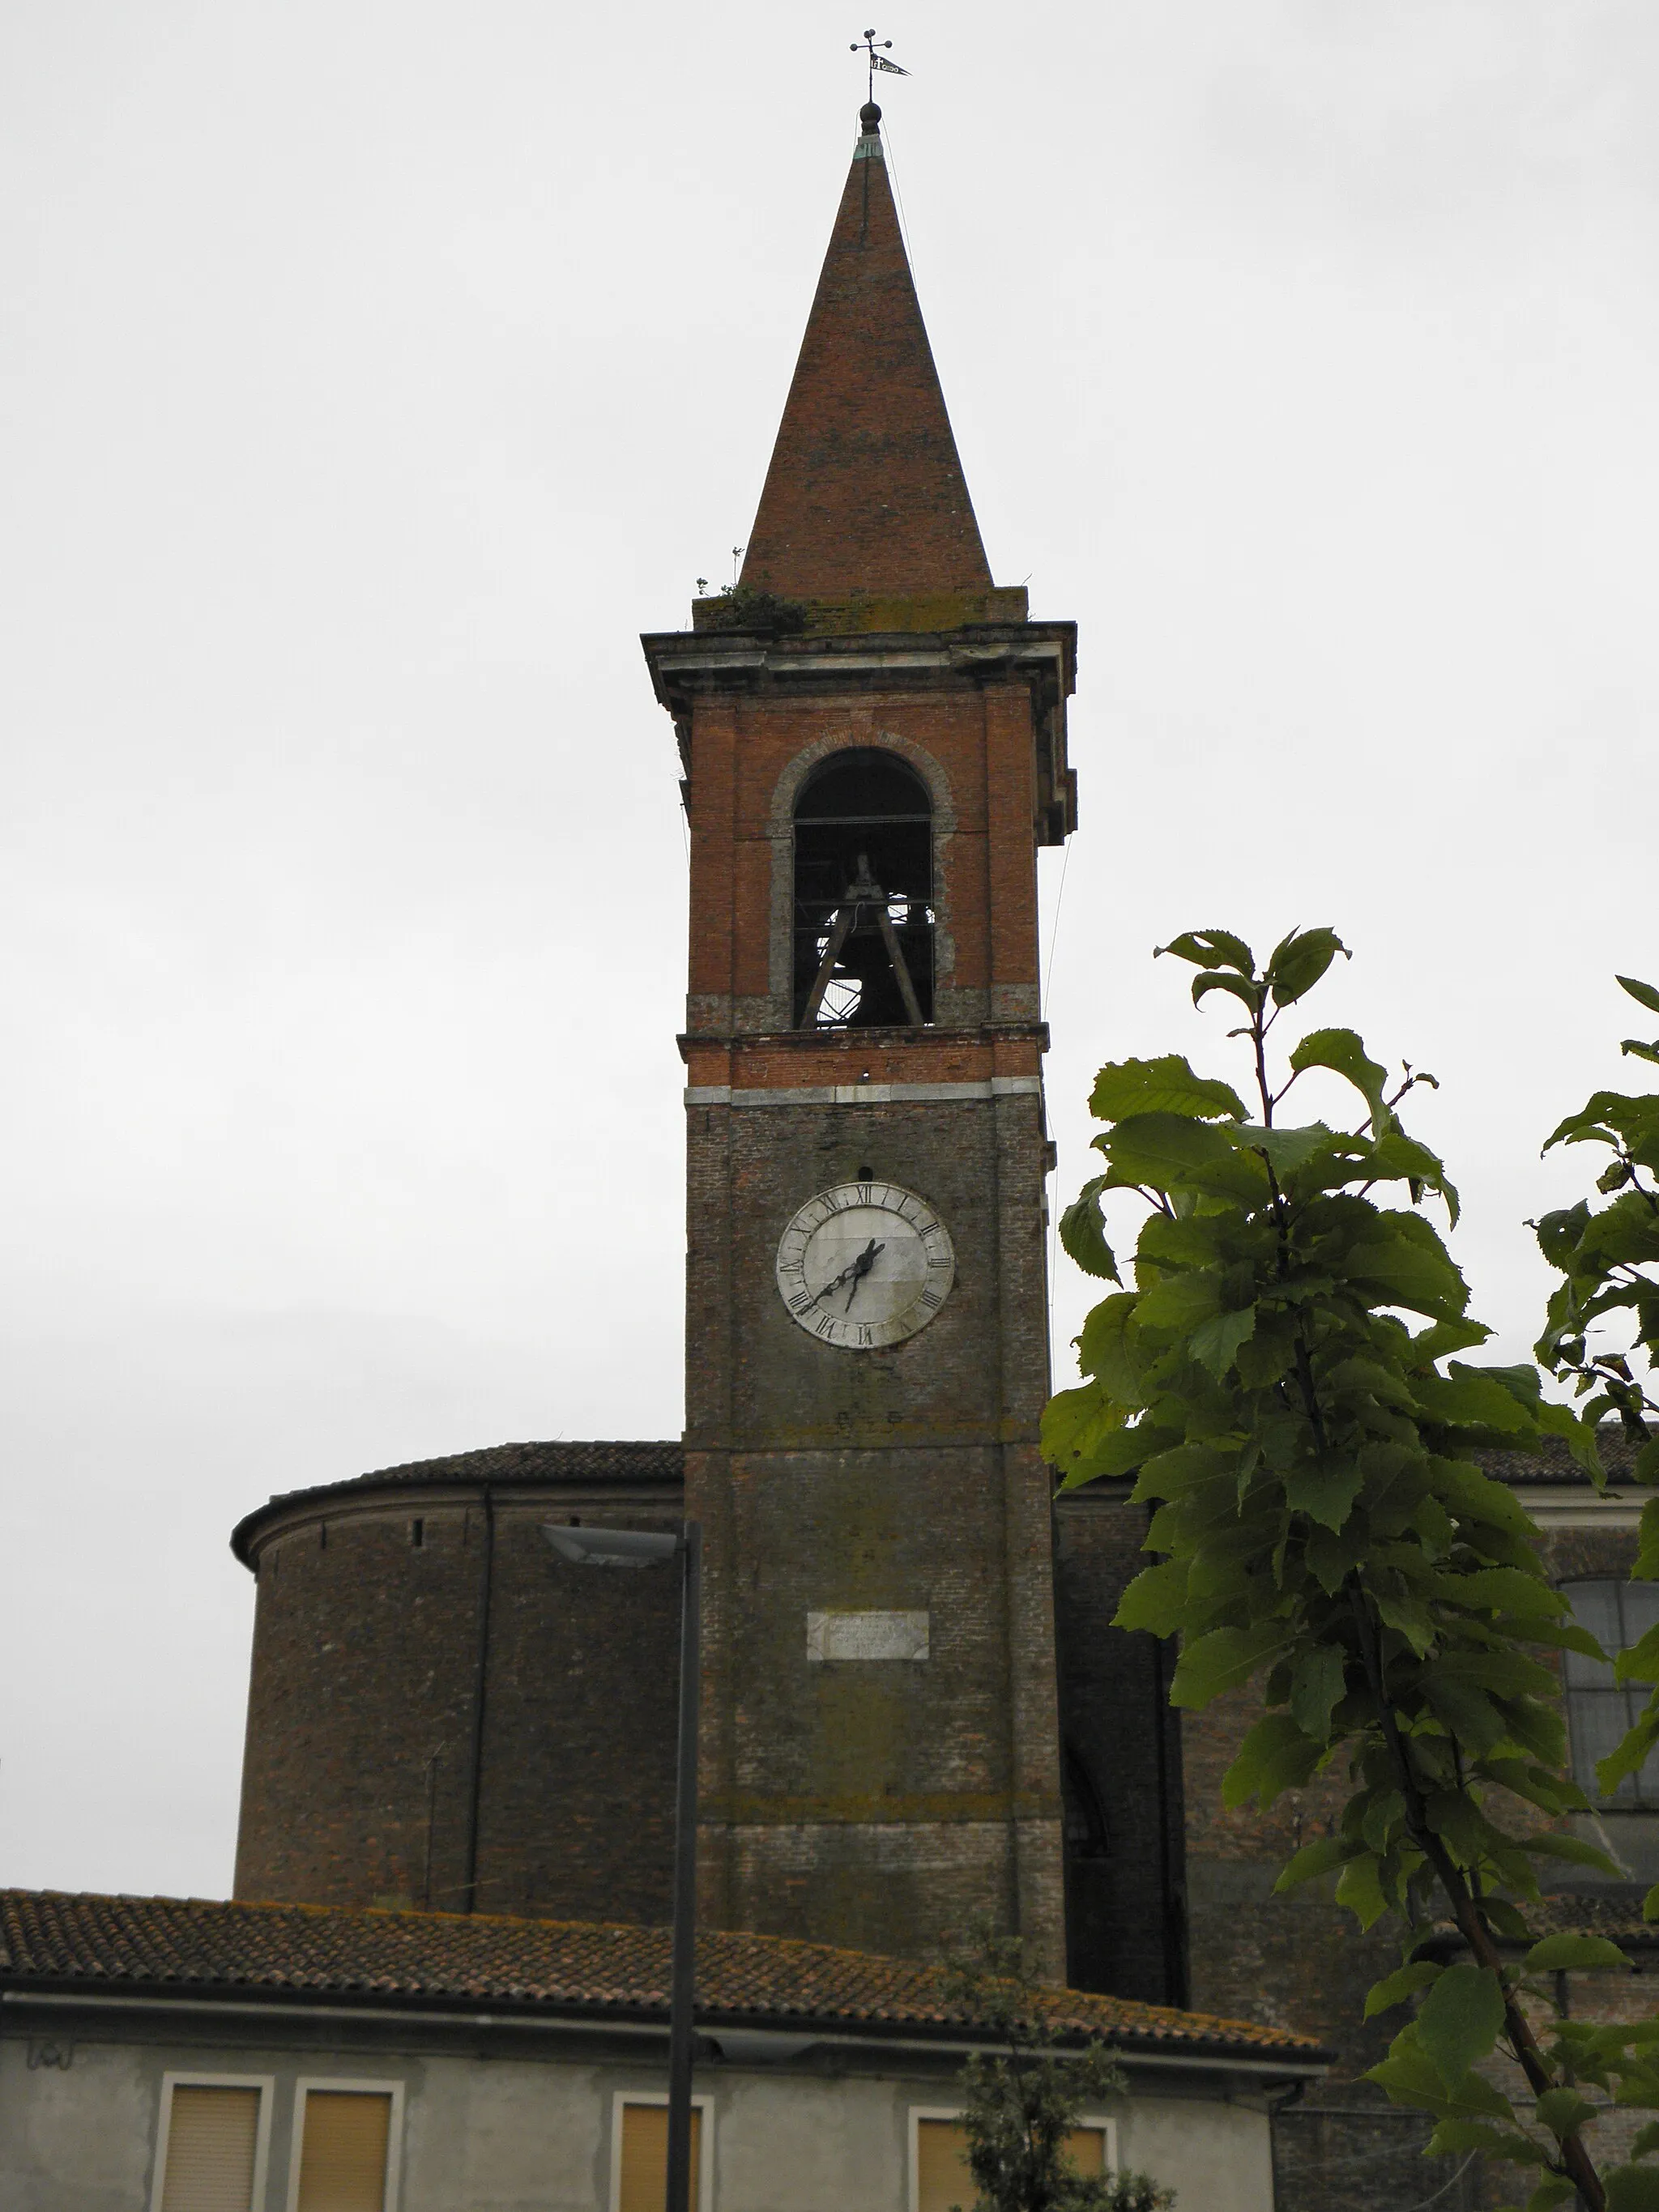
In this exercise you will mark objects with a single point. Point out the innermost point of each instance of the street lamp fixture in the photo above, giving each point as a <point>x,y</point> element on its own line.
<point>650,1547</point>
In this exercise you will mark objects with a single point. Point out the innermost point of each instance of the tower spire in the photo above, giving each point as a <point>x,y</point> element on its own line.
<point>865,492</point>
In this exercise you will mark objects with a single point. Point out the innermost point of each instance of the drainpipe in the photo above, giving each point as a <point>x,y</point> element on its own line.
<point>486,1576</point>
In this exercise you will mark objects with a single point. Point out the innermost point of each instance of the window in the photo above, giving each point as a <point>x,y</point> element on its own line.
<point>639,2154</point>
<point>1086,1835</point>
<point>939,2179</point>
<point>864,890</point>
<point>347,2136</point>
<point>210,2149</point>
<point>1600,1710</point>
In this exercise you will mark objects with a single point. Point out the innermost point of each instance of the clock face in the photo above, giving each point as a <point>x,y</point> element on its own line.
<point>864,1264</point>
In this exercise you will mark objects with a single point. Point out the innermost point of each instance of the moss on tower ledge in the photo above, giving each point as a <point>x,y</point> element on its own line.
<point>760,613</point>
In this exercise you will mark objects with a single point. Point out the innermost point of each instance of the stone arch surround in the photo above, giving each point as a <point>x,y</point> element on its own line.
<point>780,830</point>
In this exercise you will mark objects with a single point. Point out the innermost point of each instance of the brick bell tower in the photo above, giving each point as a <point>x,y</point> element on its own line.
<point>874,742</point>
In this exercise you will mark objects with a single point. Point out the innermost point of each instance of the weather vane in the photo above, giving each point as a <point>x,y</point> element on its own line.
<point>878,55</point>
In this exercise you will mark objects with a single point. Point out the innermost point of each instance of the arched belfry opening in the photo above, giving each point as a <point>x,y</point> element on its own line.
<point>863,895</point>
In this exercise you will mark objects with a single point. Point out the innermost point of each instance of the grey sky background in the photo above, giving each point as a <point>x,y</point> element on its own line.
<point>372,375</point>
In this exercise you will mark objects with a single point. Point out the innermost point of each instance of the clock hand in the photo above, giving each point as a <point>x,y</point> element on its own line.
<point>861,1266</point>
<point>852,1268</point>
<point>852,1271</point>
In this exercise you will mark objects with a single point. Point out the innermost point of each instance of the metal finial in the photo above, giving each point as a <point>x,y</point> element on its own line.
<point>876,51</point>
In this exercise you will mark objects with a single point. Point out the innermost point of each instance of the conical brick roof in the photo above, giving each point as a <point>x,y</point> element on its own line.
<point>865,492</point>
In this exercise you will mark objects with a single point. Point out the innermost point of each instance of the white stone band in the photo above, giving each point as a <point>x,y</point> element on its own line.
<point>866,1094</point>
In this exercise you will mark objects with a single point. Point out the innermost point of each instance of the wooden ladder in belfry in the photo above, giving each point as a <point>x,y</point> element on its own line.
<point>862,892</point>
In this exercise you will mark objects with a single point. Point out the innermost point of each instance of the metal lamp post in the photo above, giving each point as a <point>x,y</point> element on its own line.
<point>640,1548</point>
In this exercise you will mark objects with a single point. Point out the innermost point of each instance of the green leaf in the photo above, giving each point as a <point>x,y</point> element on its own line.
<point>1316,1685</point>
<point>1316,1858</point>
<point>1164,1150</point>
<point>1324,1490</point>
<point>1644,993</point>
<point>1640,1662</point>
<point>1469,1397</point>
<point>1461,2020</point>
<point>1504,1589</point>
<point>1124,1088</point>
<point>1287,1149</point>
<point>1453,2136</point>
<point>1564,2111</point>
<point>1407,1272</point>
<point>1633,2189</point>
<point>1343,1051</point>
<point>1083,1232</point>
<point>1104,1347</point>
<point>1182,1468</point>
<point>1299,961</point>
<point>1155,1600</point>
<point>1405,1981</point>
<point>1223,1660</point>
<point>1204,948</point>
<point>1084,1436</point>
<point>1575,1850</point>
<point>1559,1954</point>
<point>1397,1158</point>
<point>1274,1756</point>
<point>1548,2194</point>
<point>1359,1886</point>
<point>1442,1337</point>
<point>1630,1755</point>
<point>1214,1343</point>
<point>1218,979</point>
<point>1178,1302</point>
<point>1411,2078</point>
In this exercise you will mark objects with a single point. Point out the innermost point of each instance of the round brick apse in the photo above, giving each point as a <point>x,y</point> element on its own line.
<point>443,1712</point>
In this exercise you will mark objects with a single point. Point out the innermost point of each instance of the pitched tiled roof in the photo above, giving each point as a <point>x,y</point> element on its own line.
<point>1554,1463</point>
<point>597,1462</point>
<point>52,1938</point>
<point>1613,1910</point>
<point>603,1462</point>
<point>865,491</point>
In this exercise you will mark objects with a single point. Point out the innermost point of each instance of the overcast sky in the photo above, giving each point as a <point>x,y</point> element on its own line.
<point>372,375</point>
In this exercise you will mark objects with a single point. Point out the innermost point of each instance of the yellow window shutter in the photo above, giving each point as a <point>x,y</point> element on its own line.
<point>645,2157</point>
<point>212,2137</point>
<point>1086,2147</point>
<point>942,2175</point>
<point>343,2150</point>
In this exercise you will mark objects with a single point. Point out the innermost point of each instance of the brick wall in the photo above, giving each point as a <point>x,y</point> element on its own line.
<point>874,1802</point>
<point>1125,1892</point>
<point>366,1736</point>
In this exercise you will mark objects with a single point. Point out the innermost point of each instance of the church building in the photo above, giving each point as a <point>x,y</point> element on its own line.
<point>913,1711</point>
<point>444,1969</point>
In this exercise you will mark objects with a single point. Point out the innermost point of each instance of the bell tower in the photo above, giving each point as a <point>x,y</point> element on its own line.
<point>874,742</point>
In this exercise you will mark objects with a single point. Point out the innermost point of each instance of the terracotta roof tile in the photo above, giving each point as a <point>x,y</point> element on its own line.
<point>1554,1463</point>
<point>865,491</point>
<point>52,1937</point>
<point>599,1462</point>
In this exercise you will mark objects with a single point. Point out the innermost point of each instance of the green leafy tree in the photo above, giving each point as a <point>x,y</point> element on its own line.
<point>1019,2107</point>
<point>1608,1258</point>
<point>1283,1381</point>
